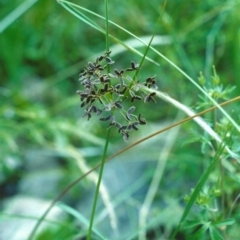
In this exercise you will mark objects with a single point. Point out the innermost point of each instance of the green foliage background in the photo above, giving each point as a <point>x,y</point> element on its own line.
<point>43,51</point>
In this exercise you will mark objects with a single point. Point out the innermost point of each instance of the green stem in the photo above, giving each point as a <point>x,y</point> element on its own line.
<point>146,51</point>
<point>98,186</point>
<point>106,143</point>
<point>150,42</point>
<point>107,30</point>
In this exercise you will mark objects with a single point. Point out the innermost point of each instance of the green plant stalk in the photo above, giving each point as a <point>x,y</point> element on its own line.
<point>106,143</point>
<point>98,186</point>
<point>107,31</point>
<point>150,42</point>
<point>146,51</point>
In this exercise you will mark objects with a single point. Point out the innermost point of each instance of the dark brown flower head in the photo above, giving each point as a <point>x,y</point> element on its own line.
<point>105,93</point>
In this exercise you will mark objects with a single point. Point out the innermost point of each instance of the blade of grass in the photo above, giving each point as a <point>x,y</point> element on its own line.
<point>189,112</point>
<point>98,187</point>
<point>80,217</point>
<point>211,38</point>
<point>6,215</point>
<point>206,17</point>
<point>94,25</point>
<point>178,45</point>
<point>150,42</point>
<point>116,154</point>
<point>146,51</point>
<point>15,14</point>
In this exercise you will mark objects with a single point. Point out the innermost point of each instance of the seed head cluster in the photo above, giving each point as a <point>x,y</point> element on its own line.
<point>104,93</point>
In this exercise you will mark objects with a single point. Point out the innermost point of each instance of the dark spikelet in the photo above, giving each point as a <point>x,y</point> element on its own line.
<point>118,86</point>
<point>123,91</point>
<point>83,104</point>
<point>129,127</point>
<point>134,127</point>
<point>141,121</point>
<point>101,79</point>
<point>105,118</point>
<point>131,110</point>
<point>128,117</point>
<point>87,114</point>
<point>149,97</point>
<point>129,113</point>
<point>92,109</point>
<point>125,136</point>
<point>91,65</point>
<point>100,58</point>
<point>105,87</point>
<point>152,94</point>
<point>109,60</point>
<point>133,65</point>
<point>116,124</point>
<point>118,105</point>
<point>122,128</point>
<point>117,72</point>
<point>107,53</point>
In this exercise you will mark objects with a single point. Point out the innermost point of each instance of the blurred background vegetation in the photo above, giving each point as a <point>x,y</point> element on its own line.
<point>43,48</point>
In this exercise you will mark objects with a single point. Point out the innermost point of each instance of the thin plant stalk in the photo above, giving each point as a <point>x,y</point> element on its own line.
<point>81,163</point>
<point>148,47</point>
<point>106,143</point>
<point>150,42</point>
<point>98,187</point>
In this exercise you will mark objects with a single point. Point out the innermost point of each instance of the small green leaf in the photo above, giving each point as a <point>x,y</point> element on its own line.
<point>215,78</point>
<point>215,234</point>
<point>225,222</point>
<point>191,224</point>
<point>199,234</point>
<point>201,79</point>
